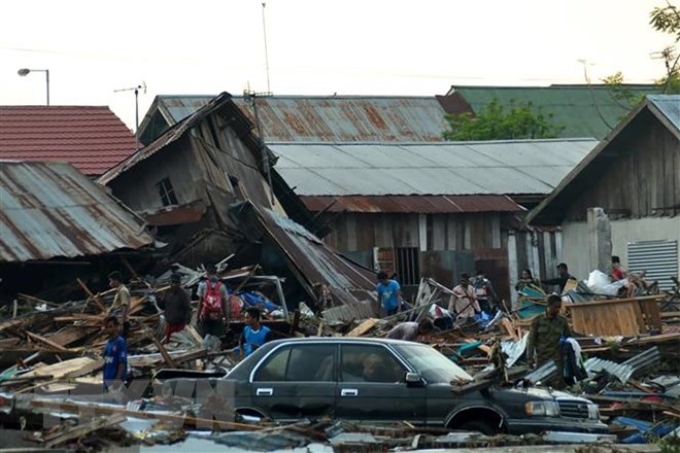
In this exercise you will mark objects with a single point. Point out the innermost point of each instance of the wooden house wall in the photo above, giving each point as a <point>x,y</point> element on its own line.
<point>363,231</point>
<point>198,166</point>
<point>641,178</point>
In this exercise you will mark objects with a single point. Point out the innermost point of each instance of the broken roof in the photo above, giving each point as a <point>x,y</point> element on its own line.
<point>314,262</point>
<point>449,168</point>
<point>237,121</point>
<point>323,118</point>
<point>583,110</point>
<point>52,210</point>
<point>665,108</point>
<point>93,139</point>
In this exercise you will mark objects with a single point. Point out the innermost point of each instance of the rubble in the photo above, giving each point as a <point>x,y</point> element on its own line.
<point>52,369</point>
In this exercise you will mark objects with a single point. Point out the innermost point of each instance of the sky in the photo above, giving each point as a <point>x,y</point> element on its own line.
<point>315,47</point>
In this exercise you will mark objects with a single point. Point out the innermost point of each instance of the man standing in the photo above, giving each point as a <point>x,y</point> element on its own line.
<point>410,331</point>
<point>389,294</point>
<point>213,309</point>
<point>177,306</point>
<point>115,356</point>
<point>486,294</point>
<point>562,279</point>
<point>545,334</point>
<point>254,334</point>
<point>121,301</point>
<point>463,302</point>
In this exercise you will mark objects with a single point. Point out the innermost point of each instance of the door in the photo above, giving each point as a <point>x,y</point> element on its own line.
<point>296,381</point>
<point>371,386</point>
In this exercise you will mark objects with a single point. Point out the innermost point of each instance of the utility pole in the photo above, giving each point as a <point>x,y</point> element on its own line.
<point>136,91</point>
<point>251,97</point>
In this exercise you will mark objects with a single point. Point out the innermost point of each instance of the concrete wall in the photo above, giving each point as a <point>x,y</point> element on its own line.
<point>576,246</point>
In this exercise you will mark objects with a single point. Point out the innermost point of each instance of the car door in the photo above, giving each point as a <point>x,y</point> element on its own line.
<point>296,381</point>
<point>371,386</point>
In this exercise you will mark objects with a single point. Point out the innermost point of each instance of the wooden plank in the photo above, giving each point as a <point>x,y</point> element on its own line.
<point>67,369</point>
<point>43,340</point>
<point>98,410</point>
<point>362,328</point>
<point>91,295</point>
<point>81,430</point>
<point>505,322</point>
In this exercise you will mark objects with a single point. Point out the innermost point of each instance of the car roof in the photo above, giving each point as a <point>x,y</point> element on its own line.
<point>345,340</point>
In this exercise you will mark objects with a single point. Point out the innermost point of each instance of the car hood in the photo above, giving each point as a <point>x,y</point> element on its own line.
<point>545,394</point>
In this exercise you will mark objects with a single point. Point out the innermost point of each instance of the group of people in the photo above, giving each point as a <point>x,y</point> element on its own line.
<point>213,315</point>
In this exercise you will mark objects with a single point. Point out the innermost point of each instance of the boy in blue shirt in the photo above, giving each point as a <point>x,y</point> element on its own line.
<point>389,294</point>
<point>115,356</point>
<point>254,334</point>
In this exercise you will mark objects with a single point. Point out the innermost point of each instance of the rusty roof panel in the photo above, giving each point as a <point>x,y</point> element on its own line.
<point>332,118</point>
<point>52,210</point>
<point>316,263</point>
<point>425,204</point>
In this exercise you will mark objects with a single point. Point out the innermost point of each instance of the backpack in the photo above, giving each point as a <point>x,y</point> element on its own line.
<point>212,299</point>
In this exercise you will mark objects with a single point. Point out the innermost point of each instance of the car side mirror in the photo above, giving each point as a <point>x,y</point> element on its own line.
<point>413,379</point>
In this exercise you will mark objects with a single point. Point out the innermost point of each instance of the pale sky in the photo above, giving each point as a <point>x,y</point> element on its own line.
<point>316,47</point>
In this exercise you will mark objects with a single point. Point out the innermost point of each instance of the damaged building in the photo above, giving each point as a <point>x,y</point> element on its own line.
<point>56,226</point>
<point>208,188</point>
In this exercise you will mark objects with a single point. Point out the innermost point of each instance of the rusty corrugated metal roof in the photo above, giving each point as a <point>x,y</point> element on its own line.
<point>326,118</point>
<point>316,263</point>
<point>51,210</point>
<point>425,204</point>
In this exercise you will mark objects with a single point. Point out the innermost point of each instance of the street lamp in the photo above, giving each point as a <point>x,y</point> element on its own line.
<point>25,71</point>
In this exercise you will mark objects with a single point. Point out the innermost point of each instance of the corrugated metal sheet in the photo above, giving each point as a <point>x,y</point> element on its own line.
<point>582,110</point>
<point>628,369</point>
<point>316,263</point>
<point>331,118</point>
<point>426,204</point>
<point>51,210</point>
<point>669,105</point>
<point>452,168</point>
<point>658,258</point>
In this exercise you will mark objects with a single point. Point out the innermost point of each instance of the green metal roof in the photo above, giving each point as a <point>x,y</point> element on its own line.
<point>582,110</point>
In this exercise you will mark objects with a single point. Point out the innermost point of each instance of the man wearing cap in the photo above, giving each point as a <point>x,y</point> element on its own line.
<point>175,301</point>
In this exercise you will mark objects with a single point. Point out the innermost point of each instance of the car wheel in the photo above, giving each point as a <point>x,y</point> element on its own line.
<point>478,426</point>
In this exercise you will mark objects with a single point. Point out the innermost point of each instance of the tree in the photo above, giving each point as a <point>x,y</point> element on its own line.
<point>494,122</point>
<point>665,20</point>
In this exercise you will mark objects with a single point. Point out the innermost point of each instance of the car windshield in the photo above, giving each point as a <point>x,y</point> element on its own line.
<point>432,365</point>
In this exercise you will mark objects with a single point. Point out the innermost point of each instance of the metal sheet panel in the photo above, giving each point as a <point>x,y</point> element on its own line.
<point>669,105</point>
<point>658,258</point>
<point>426,204</point>
<point>51,210</point>
<point>452,168</point>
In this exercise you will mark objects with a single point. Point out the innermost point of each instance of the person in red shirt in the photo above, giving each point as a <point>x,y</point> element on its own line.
<point>618,272</point>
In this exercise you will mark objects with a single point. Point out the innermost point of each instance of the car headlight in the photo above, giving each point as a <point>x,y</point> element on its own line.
<point>542,409</point>
<point>593,412</point>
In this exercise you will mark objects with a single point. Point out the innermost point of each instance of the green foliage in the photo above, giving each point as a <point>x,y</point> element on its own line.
<point>495,122</point>
<point>666,20</point>
<point>669,444</point>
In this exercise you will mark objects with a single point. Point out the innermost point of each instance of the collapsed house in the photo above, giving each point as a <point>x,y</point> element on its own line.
<point>208,188</point>
<point>54,217</point>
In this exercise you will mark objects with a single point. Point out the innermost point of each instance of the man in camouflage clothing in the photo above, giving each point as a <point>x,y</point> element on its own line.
<point>545,334</point>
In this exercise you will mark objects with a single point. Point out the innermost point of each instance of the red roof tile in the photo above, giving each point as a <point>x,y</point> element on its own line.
<point>93,139</point>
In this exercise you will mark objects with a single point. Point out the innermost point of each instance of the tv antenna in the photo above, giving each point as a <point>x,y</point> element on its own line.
<point>266,52</point>
<point>136,91</point>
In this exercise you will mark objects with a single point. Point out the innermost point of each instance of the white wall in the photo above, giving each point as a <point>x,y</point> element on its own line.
<point>575,242</point>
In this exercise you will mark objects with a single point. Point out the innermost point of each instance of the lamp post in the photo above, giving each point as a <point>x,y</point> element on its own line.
<point>25,71</point>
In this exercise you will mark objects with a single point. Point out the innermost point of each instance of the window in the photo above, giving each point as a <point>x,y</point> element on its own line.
<point>166,192</point>
<point>432,365</point>
<point>305,363</point>
<point>408,267</point>
<point>363,363</point>
<point>274,369</point>
<point>312,363</point>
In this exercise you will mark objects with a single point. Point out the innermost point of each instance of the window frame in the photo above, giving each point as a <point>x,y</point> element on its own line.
<point>166,192</point>
<point>397,359</point>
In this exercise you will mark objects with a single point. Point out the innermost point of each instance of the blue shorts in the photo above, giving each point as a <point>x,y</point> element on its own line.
<point>391,311</point>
